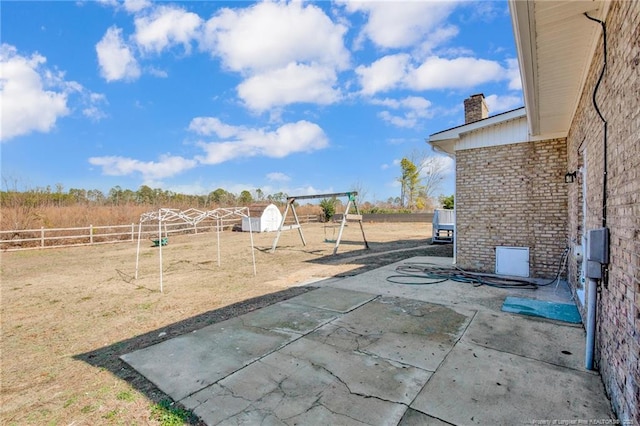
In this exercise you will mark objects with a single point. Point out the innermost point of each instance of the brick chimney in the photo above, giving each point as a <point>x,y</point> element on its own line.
<point>475,108</point>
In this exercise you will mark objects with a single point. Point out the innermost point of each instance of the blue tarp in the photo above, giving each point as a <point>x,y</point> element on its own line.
<point>567,312</point>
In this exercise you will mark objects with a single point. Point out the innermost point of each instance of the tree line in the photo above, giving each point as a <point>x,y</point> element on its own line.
<point>421,178</point>
<point>145,195</point>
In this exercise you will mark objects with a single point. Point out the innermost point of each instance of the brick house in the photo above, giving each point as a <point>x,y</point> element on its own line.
<point>542,177</point>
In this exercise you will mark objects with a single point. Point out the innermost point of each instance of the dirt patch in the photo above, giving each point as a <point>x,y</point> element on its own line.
<point>68,314</point>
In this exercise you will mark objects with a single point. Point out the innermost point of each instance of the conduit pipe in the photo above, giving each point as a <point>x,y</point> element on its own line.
<point>592,295</point>
<point>592,284</point>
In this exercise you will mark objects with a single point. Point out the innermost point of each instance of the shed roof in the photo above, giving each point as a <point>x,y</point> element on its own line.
<point>256,210</point>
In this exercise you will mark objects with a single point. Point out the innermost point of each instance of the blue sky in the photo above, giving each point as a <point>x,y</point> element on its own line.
<point>295,97</point>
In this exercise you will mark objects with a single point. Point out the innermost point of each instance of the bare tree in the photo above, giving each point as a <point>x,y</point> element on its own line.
<point>432,175</point>
<point>430,170</point>
<point>358,186</point>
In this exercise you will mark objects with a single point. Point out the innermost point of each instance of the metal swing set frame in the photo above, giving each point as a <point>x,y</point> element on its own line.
<point>352,201</point>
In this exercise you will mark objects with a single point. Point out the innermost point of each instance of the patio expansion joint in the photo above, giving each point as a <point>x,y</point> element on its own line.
<point>297,335</point>
<point>578,370</point>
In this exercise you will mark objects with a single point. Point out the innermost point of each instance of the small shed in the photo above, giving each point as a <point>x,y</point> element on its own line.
<point>263,217</point>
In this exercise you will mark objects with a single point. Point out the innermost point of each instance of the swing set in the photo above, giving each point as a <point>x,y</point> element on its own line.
<point>357,217</point>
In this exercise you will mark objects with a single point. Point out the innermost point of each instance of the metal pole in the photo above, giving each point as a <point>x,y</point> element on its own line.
<point>218,224</point>
<point>284,217</point>
<point>138,250</point>
<point>160,245</point>
<point>342,223</point>
<point>253,254</point>
<point>592,294</point>
<point>295,215</point>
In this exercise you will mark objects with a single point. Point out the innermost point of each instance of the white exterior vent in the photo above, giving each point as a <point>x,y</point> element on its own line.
<point>512,261</point>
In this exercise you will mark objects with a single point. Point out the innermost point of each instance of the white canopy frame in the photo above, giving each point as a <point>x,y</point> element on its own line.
<point>191,217</point>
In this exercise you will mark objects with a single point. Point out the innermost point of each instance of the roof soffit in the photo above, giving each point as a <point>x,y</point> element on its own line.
<point>555,44</point>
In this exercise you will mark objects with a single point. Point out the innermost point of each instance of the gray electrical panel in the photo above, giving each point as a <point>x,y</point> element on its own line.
<point>598,248</point>
<point>594,270</point>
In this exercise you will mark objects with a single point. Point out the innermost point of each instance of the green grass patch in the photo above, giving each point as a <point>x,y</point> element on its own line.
<point>169,415</point>
<point>70,401</point>
<point>125,396</point>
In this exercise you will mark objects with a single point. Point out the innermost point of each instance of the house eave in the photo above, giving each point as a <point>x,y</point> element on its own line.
<point>446,140</point>
<point>555,44</point>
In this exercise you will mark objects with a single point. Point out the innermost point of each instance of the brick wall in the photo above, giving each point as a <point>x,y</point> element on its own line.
<point>512,195</point>
<point>618,315</point>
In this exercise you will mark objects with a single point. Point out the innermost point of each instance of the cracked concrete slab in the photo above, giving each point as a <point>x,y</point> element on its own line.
<point>364,351</point>
<point>416,418</point>
<point>339,300</point>
<point>522,335</point>
<point>288,317</point>
<point>408,331</point>
<point>308,382</point>
<point>186,364</point>
<point>477,385</point>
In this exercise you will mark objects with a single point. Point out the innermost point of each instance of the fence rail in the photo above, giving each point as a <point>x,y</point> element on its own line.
<point>30,239</point>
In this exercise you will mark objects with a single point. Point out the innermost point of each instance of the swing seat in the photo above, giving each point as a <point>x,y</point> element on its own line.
<point>333,227</point>
<point>164,241</point>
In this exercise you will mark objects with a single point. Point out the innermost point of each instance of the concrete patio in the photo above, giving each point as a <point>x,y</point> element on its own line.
<point>361,350</point>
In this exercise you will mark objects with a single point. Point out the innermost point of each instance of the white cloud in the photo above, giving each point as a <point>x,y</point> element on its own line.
<point>513,74</point>
<point>210,125</point>
<point>112,3</point>
<point>33,97</point>
<point>416,109</point>
<point>396,71</point>
<point>384,74</point>
<point>290,138</point>
<point>133,6</point>
<point>116,59</point>
<point>497,103</point>
<point>156,72</point>
<point>164,27</point>
<point>404,121</point>
<point>270,35</point>
<point>391,25</point>
<point>293,84</point>
<point>27,106</point>
<point>278,177</point>
<point>459,73</point>
<point>167,166</point>
<point>439,37</point>
<point>442,164</point>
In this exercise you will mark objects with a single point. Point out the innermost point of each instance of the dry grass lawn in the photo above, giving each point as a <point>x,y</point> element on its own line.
<point>67,314</point>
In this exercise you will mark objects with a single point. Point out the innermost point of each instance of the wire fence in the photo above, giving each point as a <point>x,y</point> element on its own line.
<point>43,238</point>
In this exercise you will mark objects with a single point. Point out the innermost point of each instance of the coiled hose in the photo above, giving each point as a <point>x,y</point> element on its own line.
<point>424,273</point>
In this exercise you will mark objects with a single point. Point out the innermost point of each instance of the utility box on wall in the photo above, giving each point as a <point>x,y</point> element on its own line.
<point>512,261</point>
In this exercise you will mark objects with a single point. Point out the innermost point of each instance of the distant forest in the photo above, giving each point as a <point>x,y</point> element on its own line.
<point>56,208</point>
<point>145,195</point>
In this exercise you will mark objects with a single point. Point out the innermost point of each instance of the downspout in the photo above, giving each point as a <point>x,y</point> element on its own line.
<point>592,286</point>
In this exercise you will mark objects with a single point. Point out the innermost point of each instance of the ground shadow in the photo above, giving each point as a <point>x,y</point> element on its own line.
<point>378,254</point>
<point>382,254</point>
<point>108,357</point>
